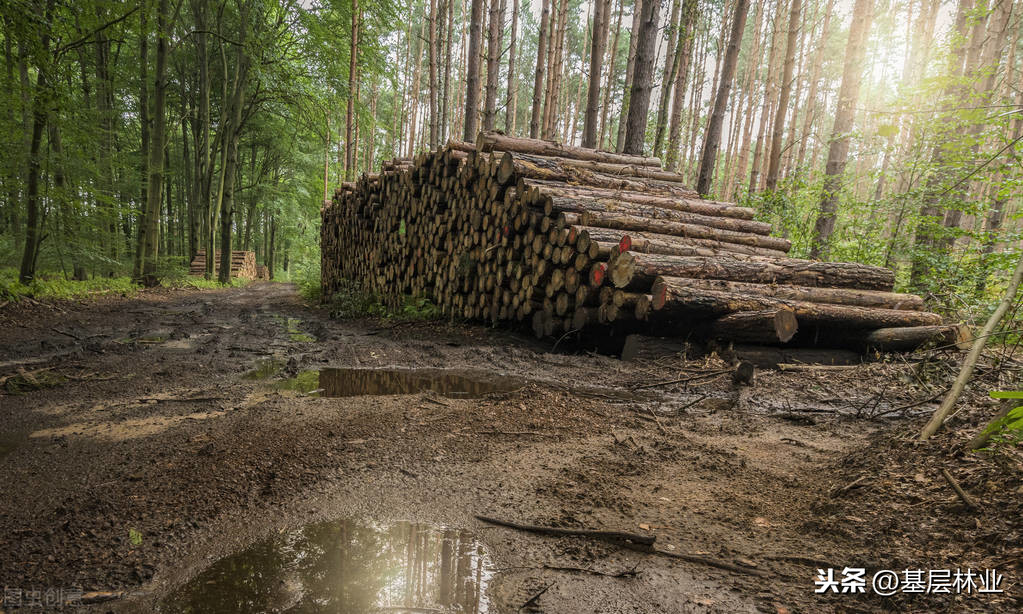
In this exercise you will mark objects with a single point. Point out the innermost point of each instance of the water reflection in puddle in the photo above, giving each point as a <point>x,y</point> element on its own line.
<point>358,382</point>
<point>346,567</point>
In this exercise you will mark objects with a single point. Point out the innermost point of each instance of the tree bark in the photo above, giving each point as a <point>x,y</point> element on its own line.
<point>633,271</point>
<point>609,82</point>
<point>838,149</point>
<point>774,157</point>
<point>541,65</point>
<point>598,46</point>
<point>472,78</point>
<point>717,118</point>
<point>683,56</point>
<point>353,80</point>
<point>630,73</point>
<point>496,27</point>
<point>434,89</point>
<point>670,68</point>
<point>154,193</point>
<point>642,85</point>
<point>511,108</point>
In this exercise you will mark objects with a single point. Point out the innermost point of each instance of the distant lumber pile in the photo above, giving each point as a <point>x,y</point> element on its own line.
<point>566,239</point>
<point>243,264</point>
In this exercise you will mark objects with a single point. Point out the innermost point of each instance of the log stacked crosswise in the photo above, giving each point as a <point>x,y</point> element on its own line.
<point>570,239</point>
<point>243,264</point>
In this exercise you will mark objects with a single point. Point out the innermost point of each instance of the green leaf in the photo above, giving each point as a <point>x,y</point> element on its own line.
<point>1006,394</point>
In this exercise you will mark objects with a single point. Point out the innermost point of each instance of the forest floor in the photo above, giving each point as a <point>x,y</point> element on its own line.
<point>134,452</point>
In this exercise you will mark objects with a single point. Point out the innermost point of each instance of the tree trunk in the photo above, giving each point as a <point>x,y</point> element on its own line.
<point>511,108</point>
<point>717,118</point>
<point>601,21</point>
<point>815,77</point>
<point>642,82</point>
<point>472,79</point>
<point>609,83</point>
<point>541,65</point>
<point>493,62</point>
<point>838,149</point>
<point>670,68</point>
<point>446,95</point>
<point>630,70</point>
<point>154,196</point>
<point>683,56</point>
<point>39,114</point>
<point>353,80</point>
<point>434,89</point>
<point>774,157</point>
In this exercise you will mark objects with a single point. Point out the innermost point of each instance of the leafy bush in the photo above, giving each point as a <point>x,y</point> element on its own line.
<point>1009,429</point>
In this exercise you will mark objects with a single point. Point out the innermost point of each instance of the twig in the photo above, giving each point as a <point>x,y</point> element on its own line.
<point>532,600</point>
<point>691,403</point>
<point>66,334</point>
<point>791,366</point>
<point>537,433</point>
<point>614,536</point>
<point>967,499</point>
<point>703,560</point>
<point>682,379</point>
<point>627,573</point>
<point>851,485</point>
<point>657,420</point>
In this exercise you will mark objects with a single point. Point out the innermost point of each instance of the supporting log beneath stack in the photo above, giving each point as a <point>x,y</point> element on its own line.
<point>675,301</point>
<point>769,326</point>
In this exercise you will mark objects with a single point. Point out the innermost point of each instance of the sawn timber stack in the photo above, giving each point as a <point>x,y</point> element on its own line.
<point>568,239</point>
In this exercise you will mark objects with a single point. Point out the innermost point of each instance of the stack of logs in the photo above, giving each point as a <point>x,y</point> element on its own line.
<point>568,239</point>
<point>243,264</point>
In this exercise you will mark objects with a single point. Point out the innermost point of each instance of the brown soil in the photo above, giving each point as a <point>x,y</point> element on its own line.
<point>144,423</point>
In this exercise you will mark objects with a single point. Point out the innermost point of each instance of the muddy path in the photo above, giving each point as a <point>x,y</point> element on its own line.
<point>158,434</point>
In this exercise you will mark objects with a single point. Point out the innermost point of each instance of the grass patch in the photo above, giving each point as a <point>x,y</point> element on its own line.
<point>54,288</point>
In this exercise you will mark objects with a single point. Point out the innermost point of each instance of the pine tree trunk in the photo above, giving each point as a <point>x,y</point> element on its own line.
<point>511,108</point>
<point>609,81</point>
<point>541,65</point>
<point>642,81</point>
<point>774,157</point>
<point>353,80</point>
<point>472,78</point>
<point>838,149</point>
<point>493,62</point>
<point>713,140</point>
<point>432,59</point>
<point>815,78</point>
<point>671,59</point>
<point>446,95</point>
<point>630,69</point>
<point>601,21</point>
<point>683,56</point>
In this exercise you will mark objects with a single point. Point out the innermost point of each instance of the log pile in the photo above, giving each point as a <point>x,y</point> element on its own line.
<point>566,239</point>
<point>243,264</point>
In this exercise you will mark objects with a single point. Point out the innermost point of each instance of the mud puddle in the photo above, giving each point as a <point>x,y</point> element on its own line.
<point>345,566</point>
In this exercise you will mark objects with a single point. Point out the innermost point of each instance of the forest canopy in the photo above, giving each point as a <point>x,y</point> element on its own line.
<point>885,132</point>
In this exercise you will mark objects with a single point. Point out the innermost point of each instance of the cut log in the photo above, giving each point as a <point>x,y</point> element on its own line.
<point>674,301</point>
<point>957,336</point>
<point>655,243</point>
<point>642,347</point>
<point>580,204</point>
<point>770,326</point>
<point>838,296</point>
<point>692,205</point>
<point>495,141</point>
<point>633,271</point>
<point>763,357</point>
<point>622,221</point>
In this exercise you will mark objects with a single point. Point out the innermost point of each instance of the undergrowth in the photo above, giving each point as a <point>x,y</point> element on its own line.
<point>56,287</point>
<point>351,301</point>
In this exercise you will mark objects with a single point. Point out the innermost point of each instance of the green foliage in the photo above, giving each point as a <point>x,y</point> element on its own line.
<point>351,301</point>
<point>44,288</point>
<point>1009,429</point>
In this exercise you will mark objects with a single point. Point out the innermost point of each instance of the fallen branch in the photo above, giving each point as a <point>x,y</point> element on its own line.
<point>967,499</point>
<point>532,600</point>
<point>614,536</point>
<point>627,573</point>
<point>704,560</point>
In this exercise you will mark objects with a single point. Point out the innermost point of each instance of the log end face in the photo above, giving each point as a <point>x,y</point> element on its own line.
<point>623,269</point>
<point>658,294</point>
<point>785,324</point>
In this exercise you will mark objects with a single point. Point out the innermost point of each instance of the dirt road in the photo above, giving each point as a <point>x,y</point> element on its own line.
<point>143,453</point>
